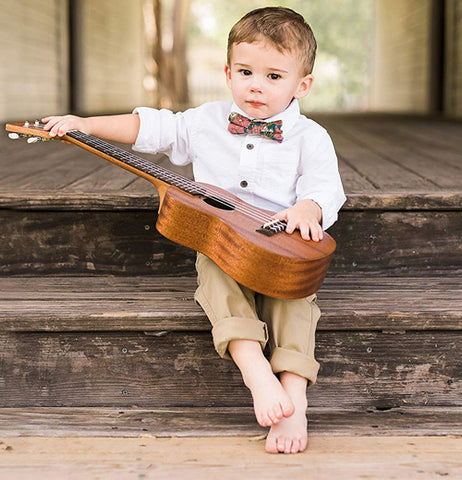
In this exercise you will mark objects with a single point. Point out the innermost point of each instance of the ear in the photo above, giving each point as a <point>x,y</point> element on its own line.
<point>304,86</point>
<point>228,75</point>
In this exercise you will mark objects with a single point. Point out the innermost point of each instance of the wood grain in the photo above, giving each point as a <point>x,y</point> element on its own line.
<point>220,421</point>
<point>344,457</point>
<point>126,243</point>
<point>359,369</point>
<point>402,150</point>
<point>103,303</point>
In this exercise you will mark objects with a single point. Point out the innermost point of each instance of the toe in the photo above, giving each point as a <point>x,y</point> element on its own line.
<point>270,445</point>
<point>287,445</point>
<point>295,446</point>
<point>277,413</point>
<point>303,444</point>
<point>287,407</point>
<point>272,417</point>
<point>280,444</point>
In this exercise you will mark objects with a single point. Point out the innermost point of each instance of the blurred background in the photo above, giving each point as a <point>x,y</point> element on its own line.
<point>105,56</point>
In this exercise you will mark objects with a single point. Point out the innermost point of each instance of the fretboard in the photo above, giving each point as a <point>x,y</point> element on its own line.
<point>138,163</point>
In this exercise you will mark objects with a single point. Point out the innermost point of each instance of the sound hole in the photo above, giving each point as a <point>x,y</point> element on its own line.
<point>219,203</point>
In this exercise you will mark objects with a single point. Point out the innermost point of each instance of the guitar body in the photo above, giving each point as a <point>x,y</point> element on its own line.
<point>218,224</point>
<point>282,265</point>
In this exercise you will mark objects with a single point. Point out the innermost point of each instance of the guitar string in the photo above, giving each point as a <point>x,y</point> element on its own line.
<point>178,180</point>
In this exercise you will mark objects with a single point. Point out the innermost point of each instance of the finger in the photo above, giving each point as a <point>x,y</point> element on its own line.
<point>316,232</point>
<point>282,215</point>
<point>59,128</point>
<point>50,122</point>
<point>305,231</point>
<point>291,226</point>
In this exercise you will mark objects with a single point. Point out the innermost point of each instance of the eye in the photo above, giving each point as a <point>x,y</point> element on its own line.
<point>274,76</point>
<point>245,72</point>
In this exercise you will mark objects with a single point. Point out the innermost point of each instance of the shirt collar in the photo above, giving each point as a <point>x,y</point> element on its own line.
<point>289,116</point>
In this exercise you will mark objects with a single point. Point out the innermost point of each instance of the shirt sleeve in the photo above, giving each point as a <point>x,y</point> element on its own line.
<point>162,131</point>
<point>320,180</point>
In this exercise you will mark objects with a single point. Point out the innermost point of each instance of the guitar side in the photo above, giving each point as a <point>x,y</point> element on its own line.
<point>282,266</point>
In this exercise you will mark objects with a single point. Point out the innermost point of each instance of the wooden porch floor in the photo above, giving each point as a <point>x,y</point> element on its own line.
<point>386,161</point>
<point>343,458</point>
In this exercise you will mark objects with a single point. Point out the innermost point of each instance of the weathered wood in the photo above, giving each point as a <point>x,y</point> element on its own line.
<point>398,161</point>
<point>86,242</point>
<point>220,421</point>
<point>176,369</point>
<point>82,242</point>
<point>327,457</point>
<point>141,195</point>
<point>402,243</point>
<point>102,303</point>
<point>380,156</point>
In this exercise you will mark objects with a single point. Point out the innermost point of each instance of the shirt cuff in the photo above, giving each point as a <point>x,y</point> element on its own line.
<point>329,206</point>
<point>147,141</point>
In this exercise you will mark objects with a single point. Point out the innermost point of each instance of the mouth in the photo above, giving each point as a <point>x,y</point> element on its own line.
<point>255,103</point>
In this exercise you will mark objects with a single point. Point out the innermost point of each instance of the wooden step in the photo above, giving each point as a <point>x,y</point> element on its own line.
<point>343,458</point>
<point>220,421</point>
<point>64,210</point>
<point>413,242</point>
<point>120,341</point>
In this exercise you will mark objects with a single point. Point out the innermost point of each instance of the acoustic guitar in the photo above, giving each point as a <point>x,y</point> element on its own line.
<point>243,240</point>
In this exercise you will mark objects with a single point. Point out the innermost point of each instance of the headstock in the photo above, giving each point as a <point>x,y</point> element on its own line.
<point>33,131</point>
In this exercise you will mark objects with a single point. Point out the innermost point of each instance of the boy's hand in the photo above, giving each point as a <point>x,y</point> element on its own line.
<point>60,125</point>
<point>305,215</point>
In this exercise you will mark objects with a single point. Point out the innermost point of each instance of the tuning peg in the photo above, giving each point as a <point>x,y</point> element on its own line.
<point>13,136</point>
<point>33,139</point>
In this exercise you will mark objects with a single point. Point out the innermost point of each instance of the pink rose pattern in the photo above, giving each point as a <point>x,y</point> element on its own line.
<point>241,125</point>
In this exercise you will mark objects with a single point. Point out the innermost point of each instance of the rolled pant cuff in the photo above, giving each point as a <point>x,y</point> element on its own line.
<point>284,360</point>
<point>237,328</point>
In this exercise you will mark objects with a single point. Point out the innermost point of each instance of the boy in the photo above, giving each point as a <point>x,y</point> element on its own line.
<point>290,168</point>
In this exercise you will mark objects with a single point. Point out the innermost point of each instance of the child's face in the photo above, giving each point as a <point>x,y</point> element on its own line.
<point>263,80</point>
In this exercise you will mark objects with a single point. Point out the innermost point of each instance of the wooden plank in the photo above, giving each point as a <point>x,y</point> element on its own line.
<point>436,201</point>
<point>439,136</point>
<point>220,421</point>
<point>141,195</point>
<point>416,159</point>
<point>356,182</point>
<point>377,165</point>
<point>402,243</point>
<point>102,303</point>
<point>359,369</point>
<point>345,458</point>
<point>116,242</point>
<point>356,165</point>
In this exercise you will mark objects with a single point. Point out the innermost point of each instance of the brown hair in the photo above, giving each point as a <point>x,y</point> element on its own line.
<point>285,29</point>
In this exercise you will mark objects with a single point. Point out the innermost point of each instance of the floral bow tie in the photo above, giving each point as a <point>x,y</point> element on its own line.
<point>243,126</point>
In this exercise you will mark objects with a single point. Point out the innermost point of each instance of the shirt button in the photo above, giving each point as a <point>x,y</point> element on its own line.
<point>244,184</point>
<point>249,146</point>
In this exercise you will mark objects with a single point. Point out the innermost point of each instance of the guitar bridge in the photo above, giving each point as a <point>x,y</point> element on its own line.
<point>271,228</point>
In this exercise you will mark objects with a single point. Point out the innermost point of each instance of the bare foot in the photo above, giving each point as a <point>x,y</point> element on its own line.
<point>270,401</point>
<point>290,435</point>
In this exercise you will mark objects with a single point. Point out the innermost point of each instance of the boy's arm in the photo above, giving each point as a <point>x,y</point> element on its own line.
<point>305,215</point>
<point>117,128</point>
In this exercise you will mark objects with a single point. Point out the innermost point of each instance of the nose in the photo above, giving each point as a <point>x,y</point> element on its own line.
<point>256,85</point>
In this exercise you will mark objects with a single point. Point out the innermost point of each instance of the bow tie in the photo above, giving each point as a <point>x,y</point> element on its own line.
<point>241,125</point>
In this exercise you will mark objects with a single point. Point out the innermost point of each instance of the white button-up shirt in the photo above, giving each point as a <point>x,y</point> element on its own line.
<point>260,171</point>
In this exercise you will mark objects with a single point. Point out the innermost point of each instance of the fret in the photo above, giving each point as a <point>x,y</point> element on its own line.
<point>128,158</point>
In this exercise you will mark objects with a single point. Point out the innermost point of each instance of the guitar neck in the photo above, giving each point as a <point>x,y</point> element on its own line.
<point>159,176</point>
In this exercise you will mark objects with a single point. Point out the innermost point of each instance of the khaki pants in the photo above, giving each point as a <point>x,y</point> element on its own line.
<point>286,327</point>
